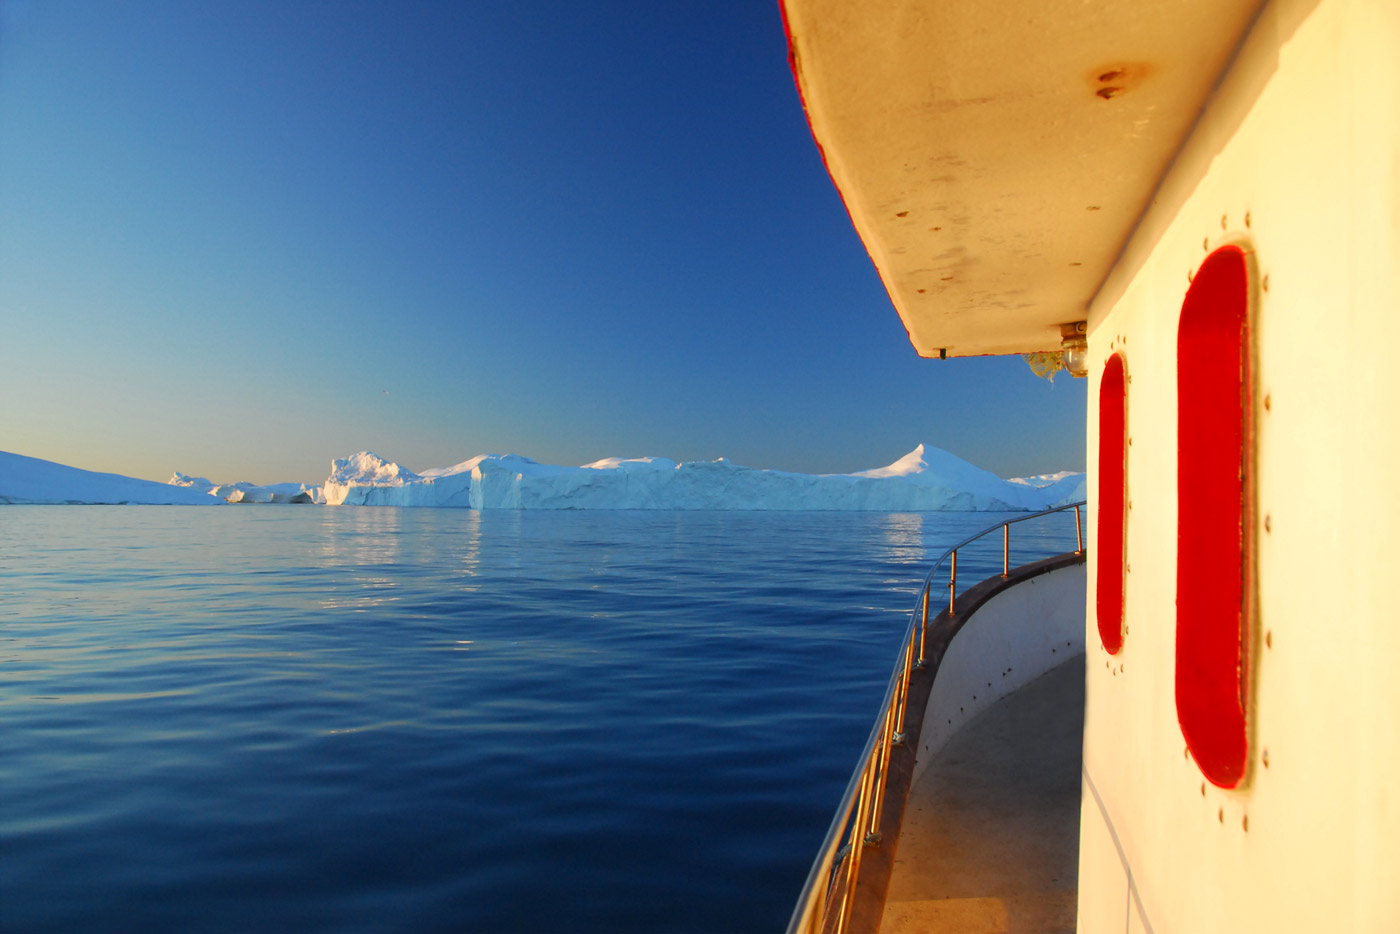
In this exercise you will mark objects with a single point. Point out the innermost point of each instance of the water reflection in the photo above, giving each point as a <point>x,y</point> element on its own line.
<point>363,535</point>
<point>469,563</point>
<point>904,536</point>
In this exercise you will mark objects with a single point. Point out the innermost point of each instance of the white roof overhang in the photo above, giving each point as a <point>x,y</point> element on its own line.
<point>996,156</point>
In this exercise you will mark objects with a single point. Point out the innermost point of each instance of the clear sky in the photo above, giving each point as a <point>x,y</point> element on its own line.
<point>240,239</point>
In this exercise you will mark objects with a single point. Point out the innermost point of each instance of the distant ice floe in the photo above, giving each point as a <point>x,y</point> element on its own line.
<point>243,492</point>
<point>925,479</point>
<point>31,480</point>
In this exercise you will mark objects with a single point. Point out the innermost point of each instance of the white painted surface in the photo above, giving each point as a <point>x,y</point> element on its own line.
<point>1297,158</point>
<point>991,181</point>
<point>1012,639</point>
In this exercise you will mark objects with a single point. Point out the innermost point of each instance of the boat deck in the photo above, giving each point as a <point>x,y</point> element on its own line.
<point>990,838</point>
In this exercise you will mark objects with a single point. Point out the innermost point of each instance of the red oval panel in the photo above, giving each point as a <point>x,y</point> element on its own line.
<point>1214,402</point>
<point>1111,508</point>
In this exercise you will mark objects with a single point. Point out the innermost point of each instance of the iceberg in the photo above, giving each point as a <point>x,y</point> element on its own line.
<point>926,479</point>
<point>32,480</point>
<point>244,492</point>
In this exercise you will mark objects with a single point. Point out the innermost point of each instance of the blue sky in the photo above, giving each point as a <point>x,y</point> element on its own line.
<point>238,240</point>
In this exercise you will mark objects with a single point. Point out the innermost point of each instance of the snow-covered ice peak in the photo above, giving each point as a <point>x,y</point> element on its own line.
<point>911,463</point>
<point>195,483</point>
<point>632,463</point>
<point>367,467</point>
<point>466,466</point>
<point>1042,480</point>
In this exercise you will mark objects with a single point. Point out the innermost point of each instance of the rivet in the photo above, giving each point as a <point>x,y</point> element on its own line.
<point>1205,244</point>
<point>1130,442</point>
<point>1224,221</point>
<point>1245,823</point>
<point>1127,569</point>
<point>1203,789</point>
<point>1269,639</point>
<point>1266,283</point>
<point>1247,218</point>
<point>1266,758</point>
<point>1221,815</point>
<point>1190,275</point>
<point>1268,401</point>
<point>1186,752</point>
<point>1268,523</point>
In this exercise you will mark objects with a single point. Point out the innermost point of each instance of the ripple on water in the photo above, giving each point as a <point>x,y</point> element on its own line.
<point>417,720</point>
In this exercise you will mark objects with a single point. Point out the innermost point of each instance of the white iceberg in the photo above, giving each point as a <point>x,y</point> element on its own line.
<point>32,480</point>
<point>244,492</point>
<point>924,480</point>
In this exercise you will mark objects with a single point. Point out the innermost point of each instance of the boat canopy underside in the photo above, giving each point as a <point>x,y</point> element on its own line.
<point>996,157</point>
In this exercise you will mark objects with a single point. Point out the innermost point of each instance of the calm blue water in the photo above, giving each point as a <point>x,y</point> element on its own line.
<point>314,719</point>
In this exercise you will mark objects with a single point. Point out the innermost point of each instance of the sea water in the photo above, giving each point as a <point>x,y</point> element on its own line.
<point>377,719</point>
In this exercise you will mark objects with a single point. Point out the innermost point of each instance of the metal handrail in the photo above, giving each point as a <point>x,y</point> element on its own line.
<point>862,804</point>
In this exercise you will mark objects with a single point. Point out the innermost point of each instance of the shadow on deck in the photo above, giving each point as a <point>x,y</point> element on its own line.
<point>989,842</point>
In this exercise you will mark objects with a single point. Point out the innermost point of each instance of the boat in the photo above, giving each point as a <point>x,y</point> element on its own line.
<point>1193,205</point>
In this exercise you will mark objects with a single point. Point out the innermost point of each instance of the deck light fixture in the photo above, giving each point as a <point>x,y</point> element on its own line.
<point>1074,348</point>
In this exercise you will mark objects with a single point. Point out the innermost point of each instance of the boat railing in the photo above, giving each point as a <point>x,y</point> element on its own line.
<point>824,907</point>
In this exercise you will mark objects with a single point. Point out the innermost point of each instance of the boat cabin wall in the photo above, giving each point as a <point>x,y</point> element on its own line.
<point>1295,161</point>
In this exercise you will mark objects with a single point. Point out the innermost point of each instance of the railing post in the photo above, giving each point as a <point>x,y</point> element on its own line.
<point>877,806</point>
<point>898,739</point>
<point>1005,550</point>
<point>1078,532</point>
<point>923,629</point>
<point>857,845</point>
<point>953,586</point>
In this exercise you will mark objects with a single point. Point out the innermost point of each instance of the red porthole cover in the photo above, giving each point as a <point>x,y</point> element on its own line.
<point>1214,516</point>
<point>1111,508</point>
